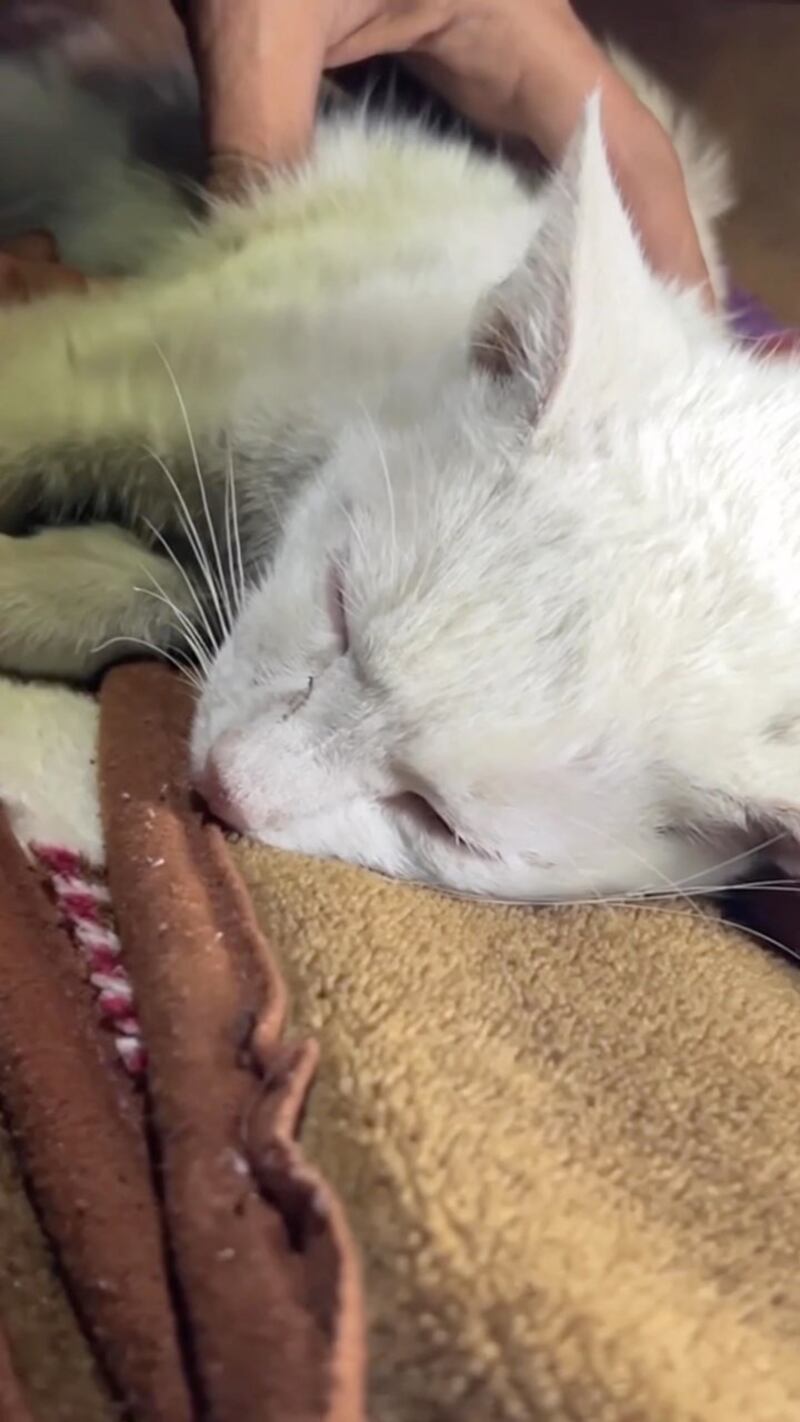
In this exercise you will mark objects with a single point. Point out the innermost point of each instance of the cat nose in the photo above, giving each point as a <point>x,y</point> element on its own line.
<point>210,784</point>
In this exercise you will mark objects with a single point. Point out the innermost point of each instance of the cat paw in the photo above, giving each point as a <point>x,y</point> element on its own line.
<point>77,599</point>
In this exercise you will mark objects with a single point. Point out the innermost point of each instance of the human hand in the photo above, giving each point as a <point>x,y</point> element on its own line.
<point>517,68</point>
<point>30,267</point>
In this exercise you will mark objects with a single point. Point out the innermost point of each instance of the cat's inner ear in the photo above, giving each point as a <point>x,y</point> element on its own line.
<point>583,315</point>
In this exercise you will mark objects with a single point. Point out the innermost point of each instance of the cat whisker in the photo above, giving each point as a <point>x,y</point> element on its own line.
<point>683,887</point>
<point>352,525</point>
<point>384,468</point>
<point>253,505</point>
<point>672,888</point>
<point>157,651</point>
<point>183,624</point>
<point>226,519</point>
<point>235,553</point>
<point>220,631</point>
<point>189,529</point>
<point>201,485</point>
<point>699,915</point>
<point>775,886</point>
<point>734,858</point>
<point>635,899</point>
<point>597,899</point>
<point>695,912</point>
<point>771,942</point>
<point>192,590</point>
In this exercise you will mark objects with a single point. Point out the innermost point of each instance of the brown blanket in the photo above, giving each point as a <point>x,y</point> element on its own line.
<point>209,1265</point>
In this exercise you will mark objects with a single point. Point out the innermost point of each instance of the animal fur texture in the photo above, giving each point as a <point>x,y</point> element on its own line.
<point>520,627</point>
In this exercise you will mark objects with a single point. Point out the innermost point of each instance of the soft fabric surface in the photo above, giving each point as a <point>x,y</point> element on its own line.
<point>565,1140</point>
<point>40,1339</point>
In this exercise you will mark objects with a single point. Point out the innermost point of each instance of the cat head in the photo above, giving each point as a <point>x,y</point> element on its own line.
<point>466,663</point>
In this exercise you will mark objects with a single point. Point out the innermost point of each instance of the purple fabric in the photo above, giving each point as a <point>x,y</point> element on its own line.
<point>750,320</point>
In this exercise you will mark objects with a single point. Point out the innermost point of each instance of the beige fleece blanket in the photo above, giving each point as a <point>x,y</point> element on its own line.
<point>567,1143</point>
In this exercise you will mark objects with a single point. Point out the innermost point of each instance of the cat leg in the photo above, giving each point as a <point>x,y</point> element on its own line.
<point>65,592</point>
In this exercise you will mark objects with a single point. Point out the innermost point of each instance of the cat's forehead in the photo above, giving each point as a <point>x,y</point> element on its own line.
<point>469,674</point>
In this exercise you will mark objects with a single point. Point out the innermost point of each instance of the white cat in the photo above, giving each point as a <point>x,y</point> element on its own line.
<point>520,564</point>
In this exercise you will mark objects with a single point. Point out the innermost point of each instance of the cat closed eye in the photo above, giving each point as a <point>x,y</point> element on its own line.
<point>422,812</point>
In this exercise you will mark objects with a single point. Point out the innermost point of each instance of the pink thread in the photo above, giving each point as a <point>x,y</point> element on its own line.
<point>56,859</point>
<point>84,905</point>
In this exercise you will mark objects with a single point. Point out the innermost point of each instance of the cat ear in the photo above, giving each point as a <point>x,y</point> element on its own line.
<point>583,312</point>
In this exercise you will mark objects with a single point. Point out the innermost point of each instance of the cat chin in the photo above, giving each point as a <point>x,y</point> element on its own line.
<point>360,834</point>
